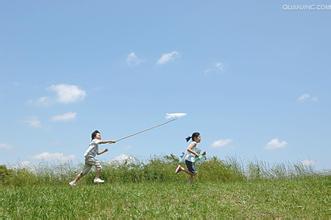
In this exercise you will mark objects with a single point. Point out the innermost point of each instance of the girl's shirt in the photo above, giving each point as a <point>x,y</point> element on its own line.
<point>189,156</point>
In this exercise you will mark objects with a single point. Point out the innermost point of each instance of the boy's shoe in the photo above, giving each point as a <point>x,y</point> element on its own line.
<point>178,169</point>
<point>98,180</point>
<point>72,183</point>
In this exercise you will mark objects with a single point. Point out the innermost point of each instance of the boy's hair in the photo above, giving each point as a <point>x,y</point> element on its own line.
<point>194,135</point>
<point>94,134</point>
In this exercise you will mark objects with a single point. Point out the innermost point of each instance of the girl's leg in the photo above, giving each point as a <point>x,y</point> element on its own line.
<point>190,170</point>
<point>186,171</point>
<point>191,178</point>
<point>180,168</point>
<point>191,175</point>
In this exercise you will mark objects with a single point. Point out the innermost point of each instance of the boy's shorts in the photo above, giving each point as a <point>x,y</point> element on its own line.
<point>190,166</point>
<point>89,162</point>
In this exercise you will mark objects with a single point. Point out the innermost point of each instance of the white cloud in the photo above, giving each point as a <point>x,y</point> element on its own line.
<point>66,93</point>
<point>308,162</point>
<point>68,116</point>
<point>54,157</point>
<point>5,147</point>
<point>133,59</point>
<point>217,67</point>
<point>221,143</point>
<point>43,100</point>
<point>175,115</point>
<point>167,57</point>
<point>306,97</point>
<point>275,143</point>
<point>33,122</point>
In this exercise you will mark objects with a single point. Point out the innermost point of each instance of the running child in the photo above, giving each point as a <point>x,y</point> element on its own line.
<point>190,156</point>
<point>90,160</point>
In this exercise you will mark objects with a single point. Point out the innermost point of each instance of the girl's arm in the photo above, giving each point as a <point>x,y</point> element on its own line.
<point>190,147</point>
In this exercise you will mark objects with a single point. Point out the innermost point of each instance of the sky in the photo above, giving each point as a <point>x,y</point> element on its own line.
<point>252,77</point>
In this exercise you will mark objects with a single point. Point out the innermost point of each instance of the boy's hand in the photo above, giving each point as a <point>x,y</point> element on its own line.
<point>105,150</point>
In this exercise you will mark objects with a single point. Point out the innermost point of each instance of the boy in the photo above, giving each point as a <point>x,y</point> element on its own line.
<point>90,160</point>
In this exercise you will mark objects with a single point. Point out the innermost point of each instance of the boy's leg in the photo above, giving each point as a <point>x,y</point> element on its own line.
<point>97,168</point>
<point>98,172</point>
<point>86,169</point>
<point>78,177</point>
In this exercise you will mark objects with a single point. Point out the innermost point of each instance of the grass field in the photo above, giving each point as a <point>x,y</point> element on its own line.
<point>150,195</point>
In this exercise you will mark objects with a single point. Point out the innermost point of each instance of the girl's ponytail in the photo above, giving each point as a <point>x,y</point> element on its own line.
<point>194,135</point>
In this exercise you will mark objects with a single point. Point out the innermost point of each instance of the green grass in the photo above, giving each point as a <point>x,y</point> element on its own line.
<point>307,198</point>
<point>223,189</point>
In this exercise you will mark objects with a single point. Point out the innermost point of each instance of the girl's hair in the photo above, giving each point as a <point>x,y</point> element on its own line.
<point>194,135</point>
<point>94,134</point>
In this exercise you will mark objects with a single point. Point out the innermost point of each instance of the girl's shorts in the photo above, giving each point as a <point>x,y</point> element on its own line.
<point>190,166</point>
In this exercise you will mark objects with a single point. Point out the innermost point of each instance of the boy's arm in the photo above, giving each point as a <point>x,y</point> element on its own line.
<point>189,149</point>
<point>105,142</point>
<point>104,151</point>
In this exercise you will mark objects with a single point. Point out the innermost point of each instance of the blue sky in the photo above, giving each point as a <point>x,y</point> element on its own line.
<point>253,78</point>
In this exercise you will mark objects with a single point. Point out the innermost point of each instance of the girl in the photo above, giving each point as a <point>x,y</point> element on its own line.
<point>190,156</point>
